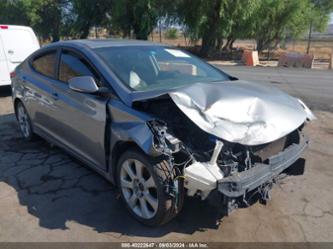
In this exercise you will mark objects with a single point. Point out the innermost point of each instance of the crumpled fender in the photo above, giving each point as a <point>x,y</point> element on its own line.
<point>128,124</point>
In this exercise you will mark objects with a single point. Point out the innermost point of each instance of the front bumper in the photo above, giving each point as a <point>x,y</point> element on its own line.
<point>243,182</point>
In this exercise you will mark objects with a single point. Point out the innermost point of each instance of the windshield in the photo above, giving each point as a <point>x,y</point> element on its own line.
<point>144,68</point>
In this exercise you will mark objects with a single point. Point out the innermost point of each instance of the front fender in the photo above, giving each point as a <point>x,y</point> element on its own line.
<point>129,125</point>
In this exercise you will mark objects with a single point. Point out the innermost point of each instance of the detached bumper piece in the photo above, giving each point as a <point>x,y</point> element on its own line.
<point>241,183</point>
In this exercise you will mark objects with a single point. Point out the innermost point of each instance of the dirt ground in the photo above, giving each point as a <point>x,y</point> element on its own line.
<point>322,49</point>
<point>45,195</point>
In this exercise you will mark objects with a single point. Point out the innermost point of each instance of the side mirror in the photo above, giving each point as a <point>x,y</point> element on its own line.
<point>83,84</point>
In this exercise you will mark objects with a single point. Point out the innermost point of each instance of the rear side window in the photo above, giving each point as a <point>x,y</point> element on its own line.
<point>72,65</point>
<point>45,64</point>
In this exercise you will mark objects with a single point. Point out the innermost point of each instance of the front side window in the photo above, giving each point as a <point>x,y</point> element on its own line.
<point>143,68</point>
<point>45,63</point>
<point>72,66</point>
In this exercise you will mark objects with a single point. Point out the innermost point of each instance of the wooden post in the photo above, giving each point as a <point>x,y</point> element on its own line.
<point>330,65</point>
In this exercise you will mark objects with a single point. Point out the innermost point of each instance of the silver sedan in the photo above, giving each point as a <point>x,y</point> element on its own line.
<point>159,123</point>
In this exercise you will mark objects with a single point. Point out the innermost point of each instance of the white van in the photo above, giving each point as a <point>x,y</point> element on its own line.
<point>16,44</point>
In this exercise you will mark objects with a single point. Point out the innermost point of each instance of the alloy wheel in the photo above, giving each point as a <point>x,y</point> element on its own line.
<point>138,188</point>
<point>23,120</point>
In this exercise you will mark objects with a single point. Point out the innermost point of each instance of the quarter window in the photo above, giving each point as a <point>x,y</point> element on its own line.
<point>45,64</point>
<point>72,66</point>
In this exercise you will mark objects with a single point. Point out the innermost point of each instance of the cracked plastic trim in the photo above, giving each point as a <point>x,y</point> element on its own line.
<point>239,184</point>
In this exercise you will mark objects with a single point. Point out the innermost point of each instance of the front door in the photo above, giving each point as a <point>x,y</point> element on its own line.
<point>82,117</point>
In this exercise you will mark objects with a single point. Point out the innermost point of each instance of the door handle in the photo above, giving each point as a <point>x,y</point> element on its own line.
<point>55,96</point>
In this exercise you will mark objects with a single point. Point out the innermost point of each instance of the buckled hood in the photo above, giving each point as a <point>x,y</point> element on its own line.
<point>237,111</point>
<point>240,111</point>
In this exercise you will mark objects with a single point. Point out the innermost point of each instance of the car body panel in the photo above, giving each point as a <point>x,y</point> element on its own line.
<point>237,111</point>
<point>35,90</point>
<point>129,125</point>
<point>79,122</point>
<point>90,125</point>
<point>241,112</point>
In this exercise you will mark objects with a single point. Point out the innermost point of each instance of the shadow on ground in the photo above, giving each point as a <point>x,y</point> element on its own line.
<point>56,189</point>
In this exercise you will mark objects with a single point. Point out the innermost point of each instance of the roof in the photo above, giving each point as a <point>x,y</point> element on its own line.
<point>100,43</point>
<point>14,26</point>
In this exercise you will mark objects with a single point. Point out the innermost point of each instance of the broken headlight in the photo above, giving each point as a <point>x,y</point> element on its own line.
<point>164,142</point>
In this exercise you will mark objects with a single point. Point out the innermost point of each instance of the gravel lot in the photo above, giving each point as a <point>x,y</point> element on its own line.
<point>45,195</point>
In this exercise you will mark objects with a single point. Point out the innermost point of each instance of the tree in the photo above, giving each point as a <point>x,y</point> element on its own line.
<point>139,16</point>
<point>166,14</point>
<point>210,30</point>
<point>46,17</point>
<point>12,12</point>
<point>202,19</point>
<point>87,14</point>
<point>215,20</point>
<point>276,19</point>
<point>212,21</point>
<point>318,17</point>
<point>237,21</point>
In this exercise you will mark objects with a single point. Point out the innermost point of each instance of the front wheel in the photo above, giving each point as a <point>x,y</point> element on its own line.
<point>141,182</point>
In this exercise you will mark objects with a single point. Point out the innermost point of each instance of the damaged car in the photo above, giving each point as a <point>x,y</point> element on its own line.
<point>159,123</point>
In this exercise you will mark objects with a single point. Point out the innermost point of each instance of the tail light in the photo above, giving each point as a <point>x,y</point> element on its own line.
<point>3,27</point>
<point>12,74</point>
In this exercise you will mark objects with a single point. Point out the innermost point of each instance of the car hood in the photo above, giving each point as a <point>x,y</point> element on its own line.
<point>240,111</point>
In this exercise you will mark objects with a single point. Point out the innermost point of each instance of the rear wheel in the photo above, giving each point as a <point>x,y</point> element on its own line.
<point>24,121</point>
<point>141,182</point>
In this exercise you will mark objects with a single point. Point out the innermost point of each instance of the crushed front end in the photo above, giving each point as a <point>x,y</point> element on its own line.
<point>229,150</point>
<point>240,173</point>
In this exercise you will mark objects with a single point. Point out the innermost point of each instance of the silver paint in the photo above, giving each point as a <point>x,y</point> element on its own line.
<point>84,84</point>
<point>136,188</point>
<point>91,126</point>
<point>240,111</point>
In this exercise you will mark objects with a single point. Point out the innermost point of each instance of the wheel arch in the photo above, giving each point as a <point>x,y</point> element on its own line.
<point>16,102</point>
<point>117,150</point>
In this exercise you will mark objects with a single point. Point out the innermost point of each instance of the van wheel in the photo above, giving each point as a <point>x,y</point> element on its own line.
<point>141,182</point>
<point>24,122</point>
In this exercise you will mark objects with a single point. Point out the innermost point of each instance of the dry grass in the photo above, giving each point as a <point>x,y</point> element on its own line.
<point>321,49</point>
<point>179,41</point>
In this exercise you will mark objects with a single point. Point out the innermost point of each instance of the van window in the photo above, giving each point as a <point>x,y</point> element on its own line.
<point>71,65</point>
<point>45,64</point>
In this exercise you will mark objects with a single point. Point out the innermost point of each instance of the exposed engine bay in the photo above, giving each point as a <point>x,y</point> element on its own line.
<point>205,164</point>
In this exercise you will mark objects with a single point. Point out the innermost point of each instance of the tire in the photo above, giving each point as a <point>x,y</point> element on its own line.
<point>144,195</point>
<point>24,122</point>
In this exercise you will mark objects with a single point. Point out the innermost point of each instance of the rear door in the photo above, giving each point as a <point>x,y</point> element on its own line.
<point>38,89</point>
<point>81,117</point>
<point>18,44</point>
